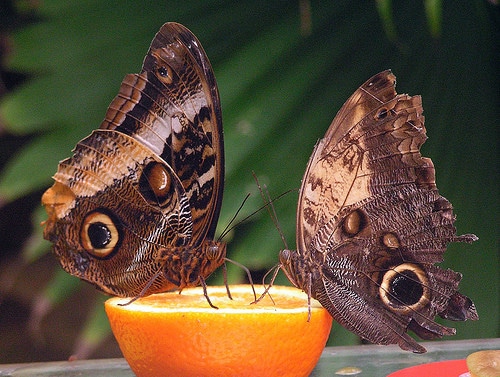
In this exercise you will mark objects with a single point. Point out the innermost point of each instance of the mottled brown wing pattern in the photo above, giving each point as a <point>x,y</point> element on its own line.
<point>173,107</point>
<point>134,210</point>
<point>371,224</point>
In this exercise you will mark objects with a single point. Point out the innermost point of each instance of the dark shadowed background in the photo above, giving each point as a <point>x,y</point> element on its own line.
<point>282,77</point>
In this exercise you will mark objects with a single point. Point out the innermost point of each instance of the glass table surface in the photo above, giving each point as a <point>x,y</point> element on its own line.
<point>359,361</point>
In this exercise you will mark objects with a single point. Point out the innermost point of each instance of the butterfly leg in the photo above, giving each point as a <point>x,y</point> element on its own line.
<point>224,273</point>
<point>244,268</point>
<point>205,293</point>
<point>275,271</point>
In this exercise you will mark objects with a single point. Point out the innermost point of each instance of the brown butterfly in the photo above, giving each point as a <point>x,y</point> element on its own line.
<point>134,211</point>
<point>371,224</point>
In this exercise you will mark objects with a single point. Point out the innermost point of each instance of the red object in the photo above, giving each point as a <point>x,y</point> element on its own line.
<point>449,368</point>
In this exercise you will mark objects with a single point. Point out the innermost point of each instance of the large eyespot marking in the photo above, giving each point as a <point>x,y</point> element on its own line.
<point>99,234</point>
<point>354,222</point>
<point>405,287</point>
<point>155,184</point>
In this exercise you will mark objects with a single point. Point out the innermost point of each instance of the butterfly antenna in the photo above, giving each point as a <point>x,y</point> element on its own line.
<point>226,230</point>
<point>268,204</point>
<point>228,227</point>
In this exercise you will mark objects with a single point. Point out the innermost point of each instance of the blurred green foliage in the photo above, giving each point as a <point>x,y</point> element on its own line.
<point>280,86</point>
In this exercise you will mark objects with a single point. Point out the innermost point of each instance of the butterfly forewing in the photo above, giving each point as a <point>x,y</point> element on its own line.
<point>134,211</point>
<point>173,106</point>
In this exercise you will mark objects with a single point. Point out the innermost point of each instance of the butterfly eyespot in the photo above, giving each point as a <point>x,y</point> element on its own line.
<point>382,113</point>
<point>354,223</point>
<point>99,235</point>
<point>404,288</point>
<point>390,240</point>
<point>155,184</point>
<point>165,74</point>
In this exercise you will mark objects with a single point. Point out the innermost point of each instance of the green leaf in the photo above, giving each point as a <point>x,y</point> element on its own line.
<point>95,331</point>
<point>384,8</point>
<point>31,167</point>
<point>60,287</point>
<point>433,11</point>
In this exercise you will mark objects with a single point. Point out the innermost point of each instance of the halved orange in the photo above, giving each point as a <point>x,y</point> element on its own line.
<point>172,334</point>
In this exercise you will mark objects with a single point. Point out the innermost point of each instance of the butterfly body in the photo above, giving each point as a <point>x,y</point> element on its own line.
<point>371,224</point>
<point>134,210</point>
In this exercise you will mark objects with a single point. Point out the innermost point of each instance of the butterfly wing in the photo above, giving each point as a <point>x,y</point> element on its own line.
<point>371,223</point>
<point>173,107</point>
<point>135,209</point>
<point>106,217</point>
